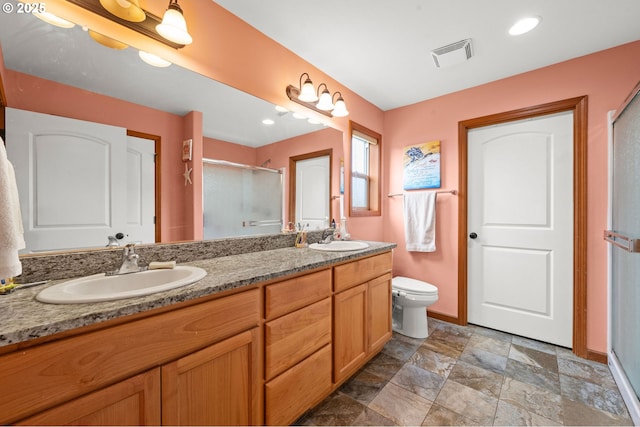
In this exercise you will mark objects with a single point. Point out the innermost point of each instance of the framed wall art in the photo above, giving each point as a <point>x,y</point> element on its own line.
<point>421,166</point>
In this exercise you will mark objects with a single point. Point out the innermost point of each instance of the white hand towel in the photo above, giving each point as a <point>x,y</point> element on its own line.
<point>420,221</point>
<point>11,231</point>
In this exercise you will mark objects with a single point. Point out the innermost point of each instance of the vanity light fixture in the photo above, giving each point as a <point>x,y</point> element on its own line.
<point>306,95</point>
<point>129,10</point>
<point>152,59</point>
<point>307,91</point>
<point>324,100</point>
<point>107,41</point>
<point>173,26</point>
<point>147,27</point>
<point>339,107</point>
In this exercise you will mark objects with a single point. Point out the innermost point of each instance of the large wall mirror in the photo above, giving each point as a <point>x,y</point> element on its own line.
<point>231,119</point>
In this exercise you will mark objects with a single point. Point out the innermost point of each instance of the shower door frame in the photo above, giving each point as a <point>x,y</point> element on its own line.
<point>626,389</point>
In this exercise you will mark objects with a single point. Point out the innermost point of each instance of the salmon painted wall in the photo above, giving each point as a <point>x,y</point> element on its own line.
<point>222,150</point>
<point>279,153</point>
<point>606,77</point>
<point>44,96</point>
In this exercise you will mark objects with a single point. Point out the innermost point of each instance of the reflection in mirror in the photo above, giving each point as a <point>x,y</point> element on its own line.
<point>37,54</point>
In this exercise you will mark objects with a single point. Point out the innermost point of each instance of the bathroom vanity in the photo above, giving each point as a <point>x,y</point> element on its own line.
<point>261,339</point>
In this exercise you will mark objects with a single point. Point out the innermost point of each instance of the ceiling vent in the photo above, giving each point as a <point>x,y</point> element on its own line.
<point>454,53</point>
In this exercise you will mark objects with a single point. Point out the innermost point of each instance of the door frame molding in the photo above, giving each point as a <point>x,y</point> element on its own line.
<point>158,177</point>
<point>292,178</point>
<point>578,106</point>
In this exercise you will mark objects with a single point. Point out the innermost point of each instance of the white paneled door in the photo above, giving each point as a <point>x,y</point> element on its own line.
<point>141,193</point>
<point>312,192</point>
<point>520,224</point>
<point>76,181</point>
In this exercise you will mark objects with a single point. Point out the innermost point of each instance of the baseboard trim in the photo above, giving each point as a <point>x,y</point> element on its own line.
<point>444,318</point>
<point>597,356</point>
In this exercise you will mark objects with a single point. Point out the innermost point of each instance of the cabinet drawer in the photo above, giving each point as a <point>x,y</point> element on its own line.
<point>298,389</point>
<point>289,295</point>
<point>348,275</point>
<point>291,338</point>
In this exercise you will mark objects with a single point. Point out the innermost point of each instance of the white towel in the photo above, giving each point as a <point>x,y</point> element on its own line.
<point>11,231</point>
<point>420,221</point>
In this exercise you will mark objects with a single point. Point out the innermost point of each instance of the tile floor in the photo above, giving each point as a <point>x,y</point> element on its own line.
<point>473,376</point>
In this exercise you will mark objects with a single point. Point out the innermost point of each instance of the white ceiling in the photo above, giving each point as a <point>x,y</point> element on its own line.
<point>380,49</point>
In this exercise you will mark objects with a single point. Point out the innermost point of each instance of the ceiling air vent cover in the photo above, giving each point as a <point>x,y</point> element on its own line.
<point>454,53</point>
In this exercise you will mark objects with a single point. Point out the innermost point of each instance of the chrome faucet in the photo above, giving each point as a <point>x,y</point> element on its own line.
<point>113,241</point>
<point>129,260</point>
<point>327,235</point>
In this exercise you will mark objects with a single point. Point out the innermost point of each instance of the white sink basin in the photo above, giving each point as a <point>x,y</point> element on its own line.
<point>339,246</point>
<point>100,287</point>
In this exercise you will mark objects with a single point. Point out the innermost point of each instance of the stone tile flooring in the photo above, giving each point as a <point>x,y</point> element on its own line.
<point>473,376</point>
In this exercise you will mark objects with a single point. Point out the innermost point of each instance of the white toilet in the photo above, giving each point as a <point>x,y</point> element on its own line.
<point>410,300</point>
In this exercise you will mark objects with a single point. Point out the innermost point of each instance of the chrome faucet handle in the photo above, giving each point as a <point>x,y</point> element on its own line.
<point>113,241</point>
<point>129,260</point>
<point>327,235</point>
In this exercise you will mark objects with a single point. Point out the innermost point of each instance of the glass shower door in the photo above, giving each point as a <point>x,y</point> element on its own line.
<point>625,258</point>
<point>241,200</point>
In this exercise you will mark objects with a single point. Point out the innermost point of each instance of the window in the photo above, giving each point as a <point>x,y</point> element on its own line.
<point>365,171</point>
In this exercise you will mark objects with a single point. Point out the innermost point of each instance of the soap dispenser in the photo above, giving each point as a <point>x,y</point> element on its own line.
<point>343,229</point>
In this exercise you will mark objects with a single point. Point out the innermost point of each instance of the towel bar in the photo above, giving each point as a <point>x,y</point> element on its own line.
<point>628,244</point>
<point>454,192</point>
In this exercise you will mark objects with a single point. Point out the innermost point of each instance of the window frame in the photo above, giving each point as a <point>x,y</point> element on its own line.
<point>374,174</point>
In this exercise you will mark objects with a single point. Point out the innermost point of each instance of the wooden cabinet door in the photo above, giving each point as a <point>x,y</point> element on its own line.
<point>350,331</point>
<point>135,401</point>
<point>289,395</point>
<point>379,312</point>
<point>218,385</point>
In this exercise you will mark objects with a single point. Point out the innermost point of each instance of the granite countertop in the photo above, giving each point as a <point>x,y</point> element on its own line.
<point>22,317</point>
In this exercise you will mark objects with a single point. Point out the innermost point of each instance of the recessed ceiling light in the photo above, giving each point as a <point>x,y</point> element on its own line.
<point>299,116</point>
<point>281,109</point>
<point>267,122</point>
<point>52,19</point>
<point>524,25</point>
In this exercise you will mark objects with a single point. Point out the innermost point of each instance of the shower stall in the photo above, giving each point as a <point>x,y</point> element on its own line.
<point>624,254</point>
<point>241,200</point>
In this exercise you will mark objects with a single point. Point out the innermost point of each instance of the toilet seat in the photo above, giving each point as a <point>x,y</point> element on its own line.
<point>413,286</point>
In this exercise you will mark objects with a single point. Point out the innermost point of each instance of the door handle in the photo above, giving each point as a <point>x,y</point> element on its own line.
<point>473,235</point>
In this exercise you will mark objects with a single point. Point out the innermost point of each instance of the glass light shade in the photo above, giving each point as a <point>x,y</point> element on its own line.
<point>107,41</point>
<point>308,92</point>
<point>152,59</point>
<point>173,27</point>
<point>325,103</point>
<point>340,108</point>
<point>52,19</point>
<point>129,10</point>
